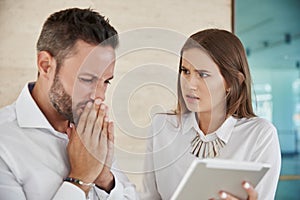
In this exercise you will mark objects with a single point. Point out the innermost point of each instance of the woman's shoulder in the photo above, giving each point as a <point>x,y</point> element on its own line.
<point>161,119</point>
<point>257,123</point>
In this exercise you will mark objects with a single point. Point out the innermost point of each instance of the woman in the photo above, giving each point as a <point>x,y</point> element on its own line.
<point>214,119</point>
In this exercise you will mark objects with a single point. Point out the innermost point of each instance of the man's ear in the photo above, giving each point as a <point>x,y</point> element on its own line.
<point>46,63</point>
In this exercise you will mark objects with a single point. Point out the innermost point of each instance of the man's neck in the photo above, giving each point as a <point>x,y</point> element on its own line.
<point>40,96</point>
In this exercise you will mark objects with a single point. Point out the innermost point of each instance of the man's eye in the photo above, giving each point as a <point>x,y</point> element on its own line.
<point>86,80</point>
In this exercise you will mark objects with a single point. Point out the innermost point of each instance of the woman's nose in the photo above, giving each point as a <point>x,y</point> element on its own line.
<point>193,82</point>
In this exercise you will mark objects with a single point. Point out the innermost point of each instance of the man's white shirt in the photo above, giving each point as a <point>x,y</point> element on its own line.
<point>34,161</point>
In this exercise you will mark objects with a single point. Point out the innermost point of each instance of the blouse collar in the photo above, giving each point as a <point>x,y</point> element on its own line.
<point>224,132</point>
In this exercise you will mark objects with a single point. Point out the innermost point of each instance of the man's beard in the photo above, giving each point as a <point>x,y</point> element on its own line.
<point>60,100</point>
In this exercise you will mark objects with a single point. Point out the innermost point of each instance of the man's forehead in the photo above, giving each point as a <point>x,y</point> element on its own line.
<point>97,71</point>
<point>99,62</point>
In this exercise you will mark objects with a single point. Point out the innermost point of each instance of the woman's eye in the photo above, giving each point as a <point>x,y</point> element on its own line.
<point>203,74</point>
<point>184,70</point>
<point>107,82</point>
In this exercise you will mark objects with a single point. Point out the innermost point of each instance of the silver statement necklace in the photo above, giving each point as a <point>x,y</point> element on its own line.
<point>206,149</point>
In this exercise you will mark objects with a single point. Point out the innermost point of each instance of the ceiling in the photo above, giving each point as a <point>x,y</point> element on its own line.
<point>270,32</point>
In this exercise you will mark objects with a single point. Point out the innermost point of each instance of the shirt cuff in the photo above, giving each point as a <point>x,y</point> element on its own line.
<point>69,191</point>
<point>115,193</point>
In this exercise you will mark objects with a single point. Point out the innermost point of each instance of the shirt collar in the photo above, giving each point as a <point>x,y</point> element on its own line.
<point>224,132</point>
<point>29,114</point>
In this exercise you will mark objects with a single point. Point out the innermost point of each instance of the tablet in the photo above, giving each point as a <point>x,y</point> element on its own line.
<point>206,177</point>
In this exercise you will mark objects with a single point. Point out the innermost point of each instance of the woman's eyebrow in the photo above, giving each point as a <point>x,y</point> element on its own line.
<point>201,70</point>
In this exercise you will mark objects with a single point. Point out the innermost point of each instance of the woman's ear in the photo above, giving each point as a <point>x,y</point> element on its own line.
<point>46,63</point>
<point>241,78</point>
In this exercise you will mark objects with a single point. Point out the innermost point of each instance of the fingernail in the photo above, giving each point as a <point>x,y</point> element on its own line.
<point>246,185</point>
<point>106,119</point>
<point>93,96</point>
<point>223,195</point>
<point>102,107</point>
<point>89,104</point>
<point>71,125</point>
<point>98,101</point>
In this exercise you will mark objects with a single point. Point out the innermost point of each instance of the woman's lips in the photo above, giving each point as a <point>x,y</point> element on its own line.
<point>192,98</point>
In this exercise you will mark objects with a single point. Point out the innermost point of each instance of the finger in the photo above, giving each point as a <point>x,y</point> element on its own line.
<point>104,131</point>
<point>97,104</point>
<point>110,144</point>
<point>71,132</point>
<point>92,118</point>
<point>82,120</point>
<point>111,132</point>
<point>102,112</point>
<point>97,128</point>
<point>103,141</point>
<point>225,196</point>
<point>252,193</point>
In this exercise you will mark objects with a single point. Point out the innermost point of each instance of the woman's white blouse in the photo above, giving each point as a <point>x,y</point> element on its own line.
<point>168,151</point>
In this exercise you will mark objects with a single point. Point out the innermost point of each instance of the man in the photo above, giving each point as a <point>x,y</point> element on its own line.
<point>56,141</point>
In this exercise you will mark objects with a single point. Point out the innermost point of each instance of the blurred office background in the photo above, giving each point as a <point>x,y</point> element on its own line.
<point>270,31</point>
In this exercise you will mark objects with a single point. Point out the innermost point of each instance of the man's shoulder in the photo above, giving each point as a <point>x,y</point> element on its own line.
<point>7,114</point>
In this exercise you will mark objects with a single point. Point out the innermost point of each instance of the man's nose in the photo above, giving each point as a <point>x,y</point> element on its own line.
<point>99,92</point>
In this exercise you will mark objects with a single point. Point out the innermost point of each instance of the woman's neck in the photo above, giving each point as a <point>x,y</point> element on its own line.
<point>209,122</point>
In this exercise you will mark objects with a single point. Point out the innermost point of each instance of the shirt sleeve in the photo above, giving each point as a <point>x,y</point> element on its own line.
<point>267,150</point>
<point>10,189</point>
<point>69,191</point>
<point>123,189</point>
<point>149,187</point>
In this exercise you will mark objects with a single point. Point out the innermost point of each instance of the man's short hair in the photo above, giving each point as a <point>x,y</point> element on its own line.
<point>64,28</point>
